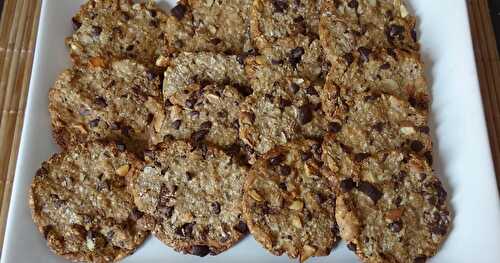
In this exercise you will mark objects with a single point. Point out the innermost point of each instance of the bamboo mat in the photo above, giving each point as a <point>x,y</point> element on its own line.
<point>18,28</point>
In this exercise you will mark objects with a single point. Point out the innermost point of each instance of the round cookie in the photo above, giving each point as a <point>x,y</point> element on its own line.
<point>380,122</point>
<point>390,206</point>
<point>288,202</point>
<point>80,204</point>
<point>119,29</point>
<point>117,103</point>
<point>192,197</point>
<point>281,109</point>
<point>201,112</point>
<point>207,25</point>
<point>349,28</point>
<point>286,32</point>
<point>204,67</point>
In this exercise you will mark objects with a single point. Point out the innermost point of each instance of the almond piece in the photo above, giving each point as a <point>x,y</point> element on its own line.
<point>255,195</point>
<point>296,222</point>
<point>297,205</point>
<point>307,252</point>
<point>122,170</point>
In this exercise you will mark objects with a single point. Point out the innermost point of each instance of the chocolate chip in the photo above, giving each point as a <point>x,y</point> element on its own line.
<point>296,56</point>
<point>359,157</point>
<point>311,91</point>
<point>179,11</point>
<point>334,127</point>
<point>241,227</point>
<point>120,146</point>
<point>186,230</point>
<point>385,66</point>
<point>176,124</point>
<point>200,250</point>
<point>194,114</point>
<point>316,148</point>
<point>379,126</point>
<point>416,146</point>
<point>391,52</point>
<point>347,185</point>
<point>284,103</point>
<point>351,246</point>
<point>135,214</point>
<point>440,228</point>
<point>168,103</point>
<point>365,53</point>
<point>215,41</point>
<point>300,25</point>
<point>84,111</point>
<point>353,4</point>
<point>244,90</point>
<point>269,97</point>
<point>151,75</point>
<point>294,88</point>
<point>191,102</point>
<point>276,159</point>
<point>428,157</point>
<point>414,35</point>
<point>215,208</point>
<point>276,61</point>
<point>370,190</point>
<point>207,125</point>
<point>395,31</point>
<point>279,6</point>
<point>198,136</point>
<point>304,156</point>
<point>154,23</point>
<point>285,170</point>
<point>418,104</point>
<point>96,30</point>
<point>189,176</point>
<point>420,259</point>
<point>93,123</point>
<point>441,193</point>
<point>282,186</point>
<point>153,13</point>
<point>76,24</point>
<point>102,186</point>
<point>424,129</point>
<point>396,226</point>
<point>349,58</point>
<point>305,114</point>
<point>125,130</point>
<point>101,102</point>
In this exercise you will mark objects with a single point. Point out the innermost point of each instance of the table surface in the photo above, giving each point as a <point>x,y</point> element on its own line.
<point>18,27</point>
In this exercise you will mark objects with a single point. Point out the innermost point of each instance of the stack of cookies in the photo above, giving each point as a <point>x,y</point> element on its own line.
<point>299,121</point>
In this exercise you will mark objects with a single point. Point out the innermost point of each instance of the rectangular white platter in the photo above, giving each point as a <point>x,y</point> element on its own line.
<point>462,153</point>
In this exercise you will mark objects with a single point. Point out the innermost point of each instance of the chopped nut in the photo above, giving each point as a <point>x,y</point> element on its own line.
<point>296,205</point>
<point>161,61</point>
<point>80,128</point>
<point>404,11</point>
<point>407,130</point>
<point>97,62</point>
<point>123,170</point>
<point>296,222</point>
<point>255,196</point>
<point>394,214</point>
<point>158,120</point>
<point>307,252</point>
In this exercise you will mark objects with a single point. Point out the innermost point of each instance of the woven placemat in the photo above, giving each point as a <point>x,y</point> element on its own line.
<point>18,28</point>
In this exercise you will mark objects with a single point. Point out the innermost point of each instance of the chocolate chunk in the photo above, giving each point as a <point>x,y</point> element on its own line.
<point>153,13</point>
<point>370,190</point>
<point>418,103</point>
<point>300,25</point>
<point>385,66</point>
<point>379,126</point>
<point>121,146</point>
<point>316,148</point>
<point>304,156</point>
<point>186,230</point>
<point>282,186</point>
<point>396,226</point>
<point>285,170</point>
<point>334,127</point>
<point>241,227</point>
<point>102,186</point>
<point>305,114</point>
<point>351,246</point>
<point>284,103</point>
<point>101,102</point>
<point>206,125</point>
<point>84,111</point>
<point>416,146</point>
<point>200,250</point>
<point>311,91</point>
<point>276,61</point>
<point>135,214</point>
<point>151,75</point>
<point>294,88</point>
<point>353,4</point>
<point>420,259</point>
<point>194,114</point>
<point>191,102</point>
<point>441,193</point>
<point>244,90</point>
<point>279,6</point>
<point>347,185</point>
<point>428,157</point>
<point>296,56</point>
<point>179,11</point>
<point>198,136</point>
<point>359,157</point>
<point>424,129</point>
<point>395,31</point>
<point>215,41</point>
<point>176,124</point>
<point>93,123</point>
<point>96,30</point>
<point>269,97</point>
<point>276,159</point>
<point>125,130</point>
<point>349,58</point>
<point>365,53</point>
<point>76,24</point>
<point>215,208</point>
<point>189,176</point>
<point>414,35</point>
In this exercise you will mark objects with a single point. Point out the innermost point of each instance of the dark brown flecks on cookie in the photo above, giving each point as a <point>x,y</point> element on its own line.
<point>390,206</point>
<point>288,203</point>
<point>119,103</point>
<point>80,205</point>
<point>193,196</point>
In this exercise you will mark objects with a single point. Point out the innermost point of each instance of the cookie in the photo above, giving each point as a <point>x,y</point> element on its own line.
<point>382,122</point>
<point>117,29</point>
<point>118,103</point>
<point>348,27</point>
<point>282,108</point>
<point>80,205</point>
<point>193,197</point>
<point>201,112</point>
<point>288,202</point>
<point>286,32</point>
<point>207,25</point>
<point>204,67</point>
<point>390,206</point>
<point>396,73</point>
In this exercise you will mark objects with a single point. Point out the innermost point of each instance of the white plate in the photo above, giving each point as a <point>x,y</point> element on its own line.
<point>462,152</point>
